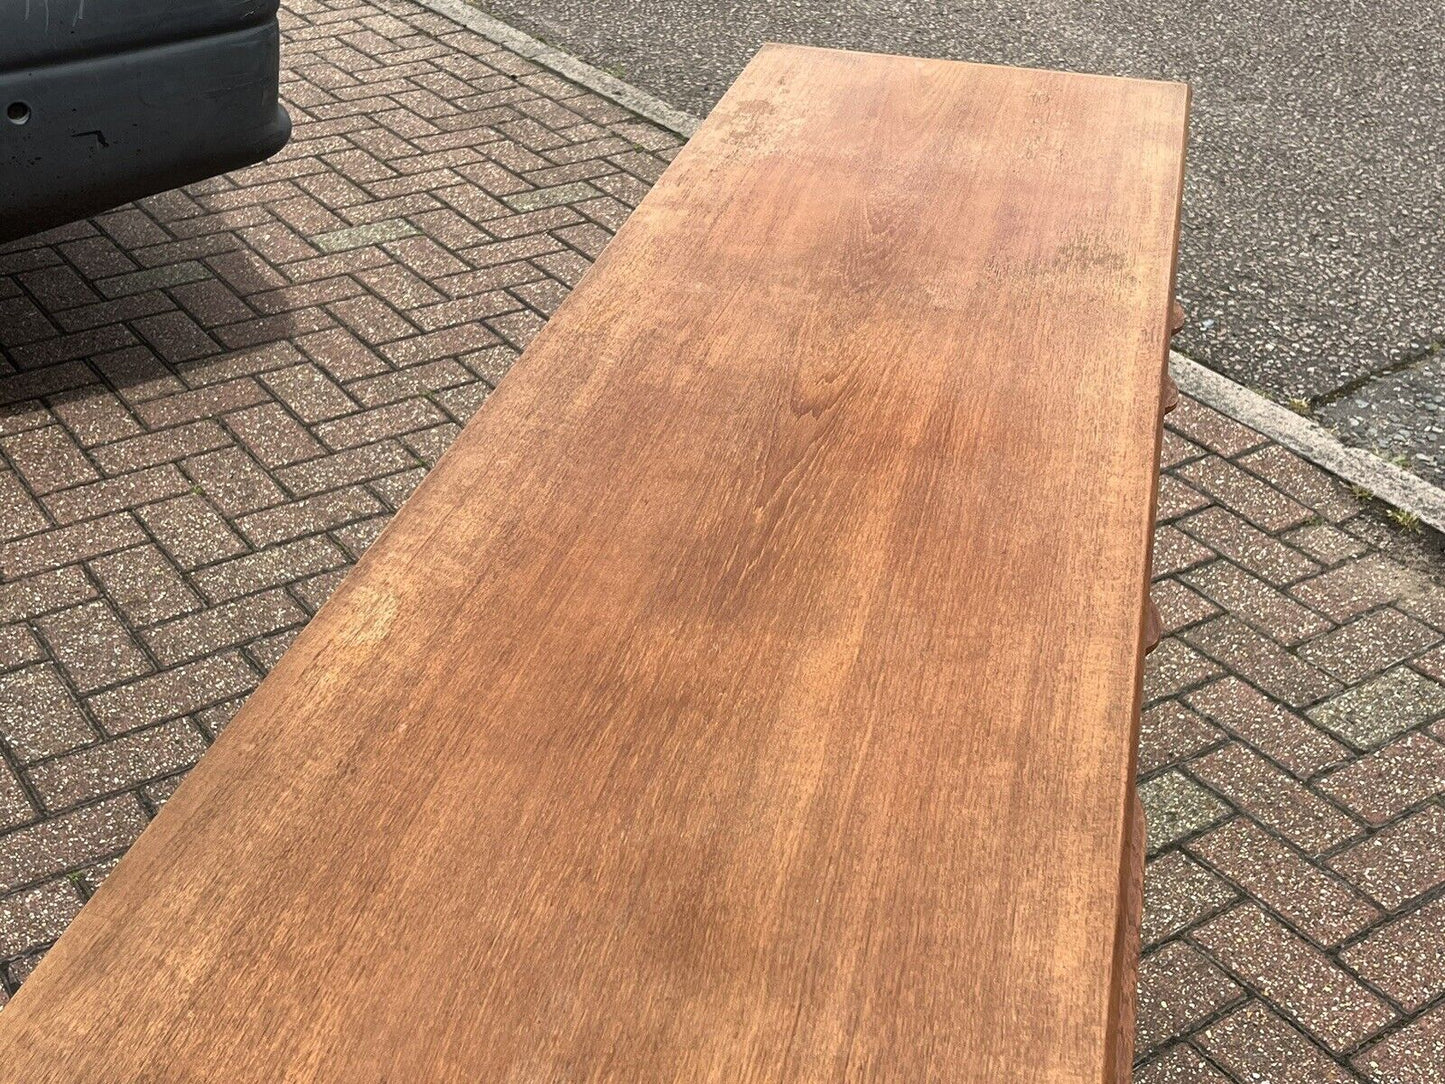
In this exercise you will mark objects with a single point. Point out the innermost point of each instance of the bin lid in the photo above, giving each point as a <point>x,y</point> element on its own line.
<point>39,32</point>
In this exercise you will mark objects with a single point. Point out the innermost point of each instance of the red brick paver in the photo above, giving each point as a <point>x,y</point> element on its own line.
<point>212,401</point>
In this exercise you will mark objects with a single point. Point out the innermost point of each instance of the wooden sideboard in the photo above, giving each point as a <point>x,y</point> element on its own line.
<point>752,692</point>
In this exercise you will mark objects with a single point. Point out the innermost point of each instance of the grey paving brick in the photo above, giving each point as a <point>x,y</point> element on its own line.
<point>1369,644</point>
<point>1272,797</point>
<point>1427,604</point>
<point>1371,714</point>
<point>1175,806</point>
<point>160,792</point>
<point>1431,664</point>
<point>1327,545</point>
<point>272,567</point>
<point>517,328</point>
<point>115,494</point>
<point>1359,586</point>
<point>153,278</point>
<point>31,919</point>
<point>25,321</point>
<point>1245,494</point>
<point>356,236</point>
<point>191,531</point>
<point>400,287</point>
<point>48,459</point>
<point>1291,741</point>
<point>450,342</point>
<point>94,875</point>
<point>44,592</point>
<point>174,692</point>
<point>136,373</point>
<point>144,584</point>
<point>211,301</point>
<point>92,645</point>
<point>176,337</point>
<point>308,516</point>
<point>1231,643</point>
<point>222,626</point>
<point>569,267</point>
<point>15,806</point>
<point>541,198</point>
<point>73,839</point>
<point>233,482</point>
<point>16,413</point>
<point>118,764</point>
<point>544,296</point>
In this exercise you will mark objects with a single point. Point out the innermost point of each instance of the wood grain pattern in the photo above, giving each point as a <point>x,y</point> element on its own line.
<point>749,695</point>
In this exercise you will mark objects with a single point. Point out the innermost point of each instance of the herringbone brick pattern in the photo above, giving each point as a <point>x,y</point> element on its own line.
<point>211,402</point>
<point>1291,769</point>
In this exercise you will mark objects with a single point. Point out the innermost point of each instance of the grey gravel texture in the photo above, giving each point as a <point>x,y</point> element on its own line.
<point>1313,254</point>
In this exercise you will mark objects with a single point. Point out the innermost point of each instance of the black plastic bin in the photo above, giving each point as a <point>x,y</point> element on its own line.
<point>105,101</point>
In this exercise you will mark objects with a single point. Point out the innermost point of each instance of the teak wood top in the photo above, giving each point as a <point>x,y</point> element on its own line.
<point>750,694</point>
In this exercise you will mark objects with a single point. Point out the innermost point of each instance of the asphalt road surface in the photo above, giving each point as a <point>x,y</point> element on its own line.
<point>1313,256</point>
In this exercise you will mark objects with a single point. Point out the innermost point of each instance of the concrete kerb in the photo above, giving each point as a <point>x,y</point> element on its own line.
<point>1391,484</point>
<point>567,66</point>
<point>1313,442</point>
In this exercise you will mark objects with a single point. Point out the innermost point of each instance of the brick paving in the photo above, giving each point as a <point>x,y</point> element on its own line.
<point>212,401</point>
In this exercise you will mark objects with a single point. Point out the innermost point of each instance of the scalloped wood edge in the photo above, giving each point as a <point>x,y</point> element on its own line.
<point>1170,398</point>
<point>1153,627</point>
